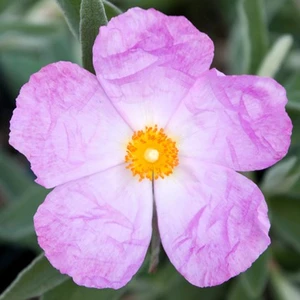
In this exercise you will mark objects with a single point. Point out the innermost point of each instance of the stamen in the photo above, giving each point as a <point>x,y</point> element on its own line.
<point>151,154</point>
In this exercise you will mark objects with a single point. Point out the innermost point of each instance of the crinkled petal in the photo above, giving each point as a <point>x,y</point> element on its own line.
<point>97,229</point>
<point>213,221</point>
<point>236,121</point>
<point>139,38</point>
<point>62,122</point>
<point>146,62</point>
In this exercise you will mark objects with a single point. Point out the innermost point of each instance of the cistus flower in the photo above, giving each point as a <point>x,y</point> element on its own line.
<point>154,124</point>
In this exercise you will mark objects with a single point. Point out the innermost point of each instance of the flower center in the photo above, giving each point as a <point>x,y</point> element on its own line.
<point>151,154</point>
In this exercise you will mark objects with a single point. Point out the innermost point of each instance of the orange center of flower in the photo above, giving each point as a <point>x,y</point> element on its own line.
<point>151,154</point>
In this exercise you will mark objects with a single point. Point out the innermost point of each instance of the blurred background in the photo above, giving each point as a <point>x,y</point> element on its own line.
<point>250,36</point>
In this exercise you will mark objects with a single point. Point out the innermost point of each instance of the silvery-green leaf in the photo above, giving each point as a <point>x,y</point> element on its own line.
<point>92,16</point>
<point>275,57</point>
<point>36,279</point>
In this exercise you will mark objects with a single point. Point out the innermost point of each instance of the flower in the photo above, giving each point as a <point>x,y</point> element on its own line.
<point>153,121</point>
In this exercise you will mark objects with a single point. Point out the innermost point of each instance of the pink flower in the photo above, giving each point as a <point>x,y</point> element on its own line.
<point>153,109</point>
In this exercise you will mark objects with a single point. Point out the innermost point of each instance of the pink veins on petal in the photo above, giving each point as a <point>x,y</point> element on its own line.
<point>96,139</point>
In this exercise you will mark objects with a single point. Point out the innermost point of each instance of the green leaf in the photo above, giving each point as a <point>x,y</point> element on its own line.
<point>27,56</point>
<point>287,257</point>
<point>293,60</point>
<point>168,284</point>
<point>166,5</point>
<point>255,279</point>
<point>240,42</point>
<point>249,37</point>
<point>22,8</point>
<point>179,289</point>
<point>292,86</point>
<point>28,29</point>
<point>69,290</point>
<point>13,176</point>
<point>38,278</point>
<point>285,212</point>
<point>4,4</point>
<point>273,7</point>
<point>18,35</point>
<point>16,7</point>
<point>71,10</point>
<point>92,16</point>
<point>287,19</point>
<point>294,105</point>
<point>111,10</point>
<point>275,57</point>
<point>16,220</point>
<point>238,291</point>
<point>282,288</point>
<point>21,44</point>
<point>258,32</point>
<point>295,277</point>
<point>281,178</point>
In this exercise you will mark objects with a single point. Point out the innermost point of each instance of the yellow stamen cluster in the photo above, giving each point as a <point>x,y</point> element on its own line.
<point>151,154</point>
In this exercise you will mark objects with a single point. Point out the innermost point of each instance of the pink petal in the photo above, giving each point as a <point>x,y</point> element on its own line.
<point>235,121</point>
<point>62,121</point>
<point>146,58</point>
<point>97,229</point>
<point>213,222</point>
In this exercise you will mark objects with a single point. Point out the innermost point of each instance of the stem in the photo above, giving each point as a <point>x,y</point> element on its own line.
<point>112,6</point>
<point>155,240</point>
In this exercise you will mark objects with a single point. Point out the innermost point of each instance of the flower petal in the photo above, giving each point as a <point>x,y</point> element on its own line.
<point>236,121</point>
<point>213,222</point>
<point>97,229</point>
<point>149,59</point>
<point>62,120</point>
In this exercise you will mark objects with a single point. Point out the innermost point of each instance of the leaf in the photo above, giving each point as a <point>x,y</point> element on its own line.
<point>295,277</point>
<point>38,278</point>
<point>249,37</point>
<point>168,284</point>
<point>27,56</point>
<point>287,18</point>
<point>21,44</point>
<point>19,36</point>
<point>160,5</point>
<point>69,290</point>
<point>4,4</point>
<point>28,29</point>
<point>282,288</point>
<point>16,220</point>
<point>258,32</point>
<point>71,10</point>
<point>238,291</point>
<point>275,57</point>
<point>285,256</point>
<point>111,10</point>
<point>285,212</point>
<point>240,42</point>
<point>181,289</point>
<point>292,86</point>
<point>281,178</point>
<point>272,7</point>
<point>255,279</point>
<point>13,176</point>
<point>92,16</point>
<point>16,7</point>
